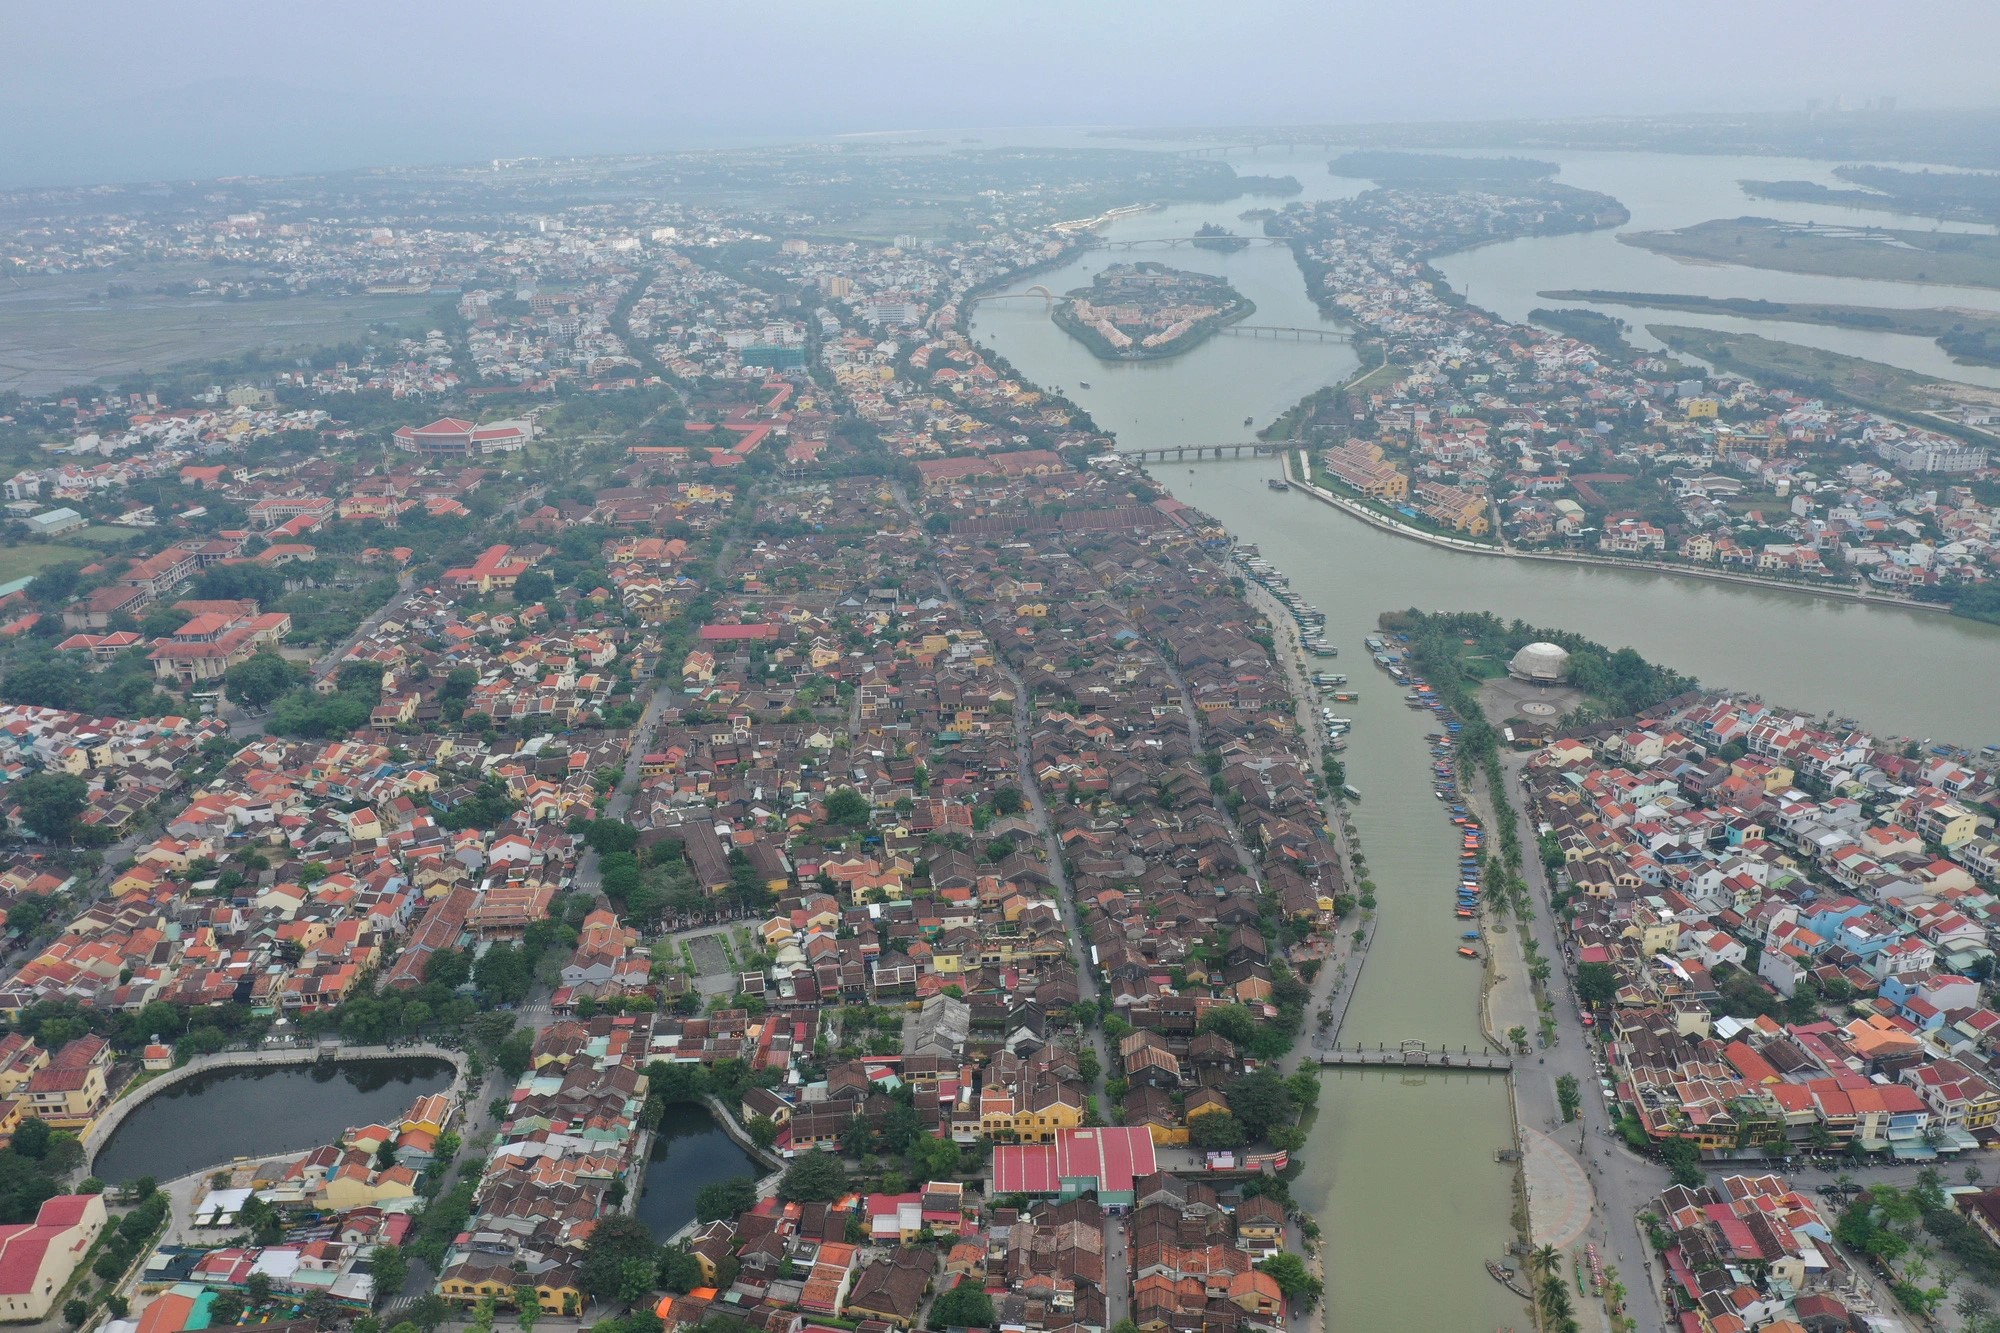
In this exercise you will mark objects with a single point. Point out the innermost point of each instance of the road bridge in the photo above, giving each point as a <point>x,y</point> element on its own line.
<point>1176,453</point>
<point>1176,242</point>
<point>1282,333</point>
<point>1411,1055</point>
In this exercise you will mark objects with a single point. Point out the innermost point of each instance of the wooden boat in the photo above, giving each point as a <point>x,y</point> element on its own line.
<point>1468,953</point>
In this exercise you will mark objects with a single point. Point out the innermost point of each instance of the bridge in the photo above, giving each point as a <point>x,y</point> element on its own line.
<point>1177,453</point>
<point>1034,293</point>
<point>1281,333</point>
<point>1176,242</point>
<point>1225,149</point>
<point>1412,1055</point>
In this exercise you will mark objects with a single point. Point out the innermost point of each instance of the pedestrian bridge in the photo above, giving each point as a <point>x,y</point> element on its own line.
<point>1411,1055</point>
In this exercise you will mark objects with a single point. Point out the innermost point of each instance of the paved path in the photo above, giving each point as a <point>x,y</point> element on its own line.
<point>1559,1193</point>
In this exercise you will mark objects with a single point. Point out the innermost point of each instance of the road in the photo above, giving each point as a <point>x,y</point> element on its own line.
<point>1622,1182</point>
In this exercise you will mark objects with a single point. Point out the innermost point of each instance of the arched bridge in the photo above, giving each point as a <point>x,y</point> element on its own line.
<point>1034,293</point>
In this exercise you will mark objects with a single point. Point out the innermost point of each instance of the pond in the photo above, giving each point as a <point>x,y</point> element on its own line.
<point>211,1118</point>
<point>689,1150</point>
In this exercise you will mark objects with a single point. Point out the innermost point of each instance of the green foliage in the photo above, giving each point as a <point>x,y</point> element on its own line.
<point>965,1305</point>
<point>847,806</point>
<point>1567,1095</point>
<point>1294,1279</point>
<point>258,681</point>
<point>1216,1131</point>
<point>813,1177</point>
<point>725,1198</point>
<point>50,803</point>
<point>619,1255</point>
<point>1596,983</point>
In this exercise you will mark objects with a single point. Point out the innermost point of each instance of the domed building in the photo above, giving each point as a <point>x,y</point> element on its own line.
<point>1541,663</point>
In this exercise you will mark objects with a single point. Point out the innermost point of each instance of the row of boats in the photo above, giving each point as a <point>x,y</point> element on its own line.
<point>1311,620</point>
<point>1444,785</point>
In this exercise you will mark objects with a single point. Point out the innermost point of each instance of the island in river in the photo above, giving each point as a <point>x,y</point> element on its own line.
<point>1885,253</point>
<point>1970,337</point>
<point>1143,311</point>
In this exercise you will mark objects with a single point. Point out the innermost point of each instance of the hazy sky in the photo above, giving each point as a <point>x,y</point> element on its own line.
<point>126,89</point>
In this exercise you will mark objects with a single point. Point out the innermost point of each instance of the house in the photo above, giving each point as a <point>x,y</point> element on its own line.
<point>37,1258</point>
<point>70,1091</point>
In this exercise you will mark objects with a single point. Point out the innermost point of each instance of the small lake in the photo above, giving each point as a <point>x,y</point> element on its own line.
<point>211,1118</point>
<point>689,1151</point>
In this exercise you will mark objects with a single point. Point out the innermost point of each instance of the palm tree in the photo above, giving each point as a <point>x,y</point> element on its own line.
<point>1544,1261</point>
<point>1554,1299</point>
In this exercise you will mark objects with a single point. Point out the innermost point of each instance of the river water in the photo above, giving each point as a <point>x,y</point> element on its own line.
<point>1400,1170</point>
<point>212,1118</point>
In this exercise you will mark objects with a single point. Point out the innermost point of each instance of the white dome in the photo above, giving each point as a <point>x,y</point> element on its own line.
<point>1539,661</point>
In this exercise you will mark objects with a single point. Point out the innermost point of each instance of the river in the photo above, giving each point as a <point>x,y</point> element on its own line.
<point>212,1118</point>
<point>1400,1170</point>
<point>689,1150</point>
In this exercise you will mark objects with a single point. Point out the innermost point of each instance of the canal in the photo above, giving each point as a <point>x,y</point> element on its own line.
<point>689,1151</point>
<point>1400,1170</point>
<point>212,1118</point>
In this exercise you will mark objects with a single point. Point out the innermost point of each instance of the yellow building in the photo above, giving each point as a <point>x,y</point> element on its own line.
<point>70,1091</point>
<point>1700,408</point>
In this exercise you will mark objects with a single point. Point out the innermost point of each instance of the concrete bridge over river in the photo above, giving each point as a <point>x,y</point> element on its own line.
<point>1411,1055</point>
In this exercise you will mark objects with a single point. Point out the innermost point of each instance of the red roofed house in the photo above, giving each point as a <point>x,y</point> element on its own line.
<point>38,1257</point>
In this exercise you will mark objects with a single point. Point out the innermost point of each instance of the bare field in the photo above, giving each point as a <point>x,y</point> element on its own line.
<point>53,334</point>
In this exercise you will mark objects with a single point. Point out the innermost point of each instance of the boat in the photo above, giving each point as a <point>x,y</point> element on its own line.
<point>1466,951</point>
<point>1336,745</point>
<point>1466,913</point>
<point>1345,697</point>
<point>1505,1277</point>
<point>1249,421</point>
<point>1083,384</point>
<point>1470,935</point>
<point>1352,792</point>
<point>1278,483</point>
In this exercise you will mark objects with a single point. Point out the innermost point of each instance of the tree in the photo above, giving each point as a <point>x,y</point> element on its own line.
<point>1294,1279</point>
<point>1519,1036</point>
<point>513,1054</point>
<point>50,803</point>
<point>262,679</point>
<point>227,1309</point>
<point>617,1239</point>
<point>1568,1096</point>
<point>847,806</point>
<point>534,586</point>
<point>428,1311</point>
<point>31,1139</point>
<point>763,1130</point>
<point>679,1270</point>
<point>1262,1102</point>
<point>391,1269</point>
<point>964,1306</point>
<point>1009,801</point>
<point>937,1158</point>
<point>725,1198</point>
<point>1216,1131</point>
<point>1232,1021</point>
<point>1596,983</point>
<point>527,1307</point>
<point>75,1311</point>
<point>813,1177</point>
<point>258,1288</point>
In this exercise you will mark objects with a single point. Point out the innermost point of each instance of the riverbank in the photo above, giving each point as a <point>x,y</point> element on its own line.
<point>1389,525</point>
